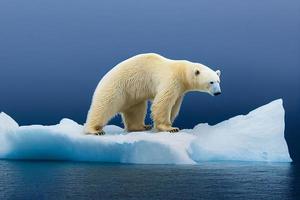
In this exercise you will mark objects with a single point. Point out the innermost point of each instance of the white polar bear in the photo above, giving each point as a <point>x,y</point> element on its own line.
<point>126,88</point>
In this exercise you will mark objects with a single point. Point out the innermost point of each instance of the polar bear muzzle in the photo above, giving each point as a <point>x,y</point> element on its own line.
<point>215,89</point>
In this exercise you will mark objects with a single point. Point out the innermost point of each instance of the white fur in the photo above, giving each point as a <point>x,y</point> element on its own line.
<point>127,87</point>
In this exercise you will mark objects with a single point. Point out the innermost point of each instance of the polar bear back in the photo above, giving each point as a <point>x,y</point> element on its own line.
<point>138,77</point>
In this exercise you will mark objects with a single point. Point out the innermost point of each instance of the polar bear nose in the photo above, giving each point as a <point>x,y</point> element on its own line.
<point>217,93</point>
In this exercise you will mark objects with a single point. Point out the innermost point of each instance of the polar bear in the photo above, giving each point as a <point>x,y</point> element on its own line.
<point>129,85</point>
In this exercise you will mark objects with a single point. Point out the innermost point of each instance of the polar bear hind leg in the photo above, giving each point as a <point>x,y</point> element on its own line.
<point>99,115</point>
<point>133,117</point>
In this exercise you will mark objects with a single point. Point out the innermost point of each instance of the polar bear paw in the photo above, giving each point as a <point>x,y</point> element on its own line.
<point>97,130</point>
<point>100,133</point>
<point>174,130</point>
<point>167,128</point>
<point>139,128</point>
<point>97,133</point>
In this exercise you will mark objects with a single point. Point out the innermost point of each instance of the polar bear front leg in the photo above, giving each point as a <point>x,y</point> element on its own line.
<point>162,108</point>
<point>176,108</point>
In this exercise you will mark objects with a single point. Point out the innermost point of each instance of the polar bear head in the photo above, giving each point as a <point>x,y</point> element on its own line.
<point>204,79</point>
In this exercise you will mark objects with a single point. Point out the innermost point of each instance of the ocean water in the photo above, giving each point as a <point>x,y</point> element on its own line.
<point>208,180</point>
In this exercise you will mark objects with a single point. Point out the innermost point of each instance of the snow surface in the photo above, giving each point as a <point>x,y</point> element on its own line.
<point>257,136</point>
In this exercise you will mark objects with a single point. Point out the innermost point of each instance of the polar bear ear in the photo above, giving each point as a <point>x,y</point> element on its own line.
<point>218,72</point>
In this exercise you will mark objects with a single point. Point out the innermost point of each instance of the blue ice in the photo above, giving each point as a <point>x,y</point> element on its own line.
<point>257,136</point>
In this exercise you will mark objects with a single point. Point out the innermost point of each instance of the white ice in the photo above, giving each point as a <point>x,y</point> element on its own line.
<point>257,136</point>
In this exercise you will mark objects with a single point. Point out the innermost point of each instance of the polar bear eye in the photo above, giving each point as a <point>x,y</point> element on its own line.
<point>197,72</point>
<point>211,82</point>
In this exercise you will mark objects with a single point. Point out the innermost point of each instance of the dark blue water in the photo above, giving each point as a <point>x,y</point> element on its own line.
<point>218,180</point>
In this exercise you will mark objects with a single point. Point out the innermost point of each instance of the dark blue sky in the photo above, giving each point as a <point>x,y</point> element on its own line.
<point>53,53</point>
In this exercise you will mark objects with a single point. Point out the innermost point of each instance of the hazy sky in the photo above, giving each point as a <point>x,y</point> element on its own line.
<point>53,53</point>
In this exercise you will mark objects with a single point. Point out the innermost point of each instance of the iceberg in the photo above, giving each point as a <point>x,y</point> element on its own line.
<point>257,136</point>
